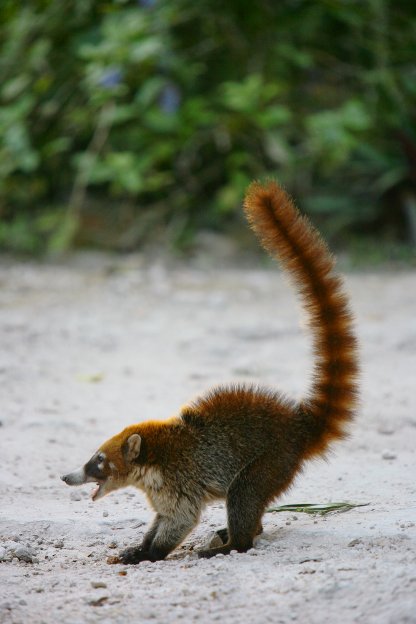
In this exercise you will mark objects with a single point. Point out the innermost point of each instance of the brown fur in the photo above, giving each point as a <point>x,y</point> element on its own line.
<point>290,238</point>
<point>243,443</point>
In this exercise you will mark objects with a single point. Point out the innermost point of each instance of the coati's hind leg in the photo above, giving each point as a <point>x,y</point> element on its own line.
<point>247,497</point>
<point>220,536</point>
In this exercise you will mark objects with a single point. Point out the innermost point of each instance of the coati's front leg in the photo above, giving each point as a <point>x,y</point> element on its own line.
<point>135,554</point>
<point>164,535</point>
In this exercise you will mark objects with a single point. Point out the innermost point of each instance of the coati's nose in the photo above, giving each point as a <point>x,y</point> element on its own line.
<point>77,477</point>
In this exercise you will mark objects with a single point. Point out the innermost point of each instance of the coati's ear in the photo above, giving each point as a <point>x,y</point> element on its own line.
<point>132,448</point>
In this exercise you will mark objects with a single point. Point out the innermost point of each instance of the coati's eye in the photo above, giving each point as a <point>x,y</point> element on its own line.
<point>100,457</point>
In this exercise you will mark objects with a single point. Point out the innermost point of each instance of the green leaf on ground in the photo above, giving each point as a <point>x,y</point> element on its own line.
<point>319,508</point>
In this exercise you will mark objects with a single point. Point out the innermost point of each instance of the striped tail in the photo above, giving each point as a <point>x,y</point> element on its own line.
<point>290,237</point>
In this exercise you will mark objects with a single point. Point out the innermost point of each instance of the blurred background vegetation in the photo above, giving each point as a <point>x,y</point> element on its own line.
<point>122,121</point>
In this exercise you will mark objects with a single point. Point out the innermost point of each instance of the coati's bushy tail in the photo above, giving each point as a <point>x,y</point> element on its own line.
<point>289,237</point>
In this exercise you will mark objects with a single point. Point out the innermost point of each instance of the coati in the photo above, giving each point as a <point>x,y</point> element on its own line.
<point>242,443</point>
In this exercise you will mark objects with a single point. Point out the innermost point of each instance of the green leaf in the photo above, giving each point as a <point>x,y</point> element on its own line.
<point>321,508</point>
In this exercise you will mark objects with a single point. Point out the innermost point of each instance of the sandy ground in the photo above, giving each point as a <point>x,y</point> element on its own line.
<point>93,345</point>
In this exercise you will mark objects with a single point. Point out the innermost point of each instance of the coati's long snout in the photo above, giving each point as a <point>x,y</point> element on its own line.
<point>78,477</point>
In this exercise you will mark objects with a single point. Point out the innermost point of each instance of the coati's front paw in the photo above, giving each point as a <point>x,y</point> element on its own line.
<point>133,555</point>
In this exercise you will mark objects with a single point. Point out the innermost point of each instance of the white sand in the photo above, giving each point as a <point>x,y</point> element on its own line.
<point>86,351</point>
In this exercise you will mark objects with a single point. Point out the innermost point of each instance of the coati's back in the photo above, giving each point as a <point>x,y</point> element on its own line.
<point>233,424</point>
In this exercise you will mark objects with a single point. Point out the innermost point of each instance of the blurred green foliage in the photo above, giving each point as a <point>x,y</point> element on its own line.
<point>120,119</point>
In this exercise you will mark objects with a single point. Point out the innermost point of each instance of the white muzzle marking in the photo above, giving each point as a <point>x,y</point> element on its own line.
<point>78,477</point>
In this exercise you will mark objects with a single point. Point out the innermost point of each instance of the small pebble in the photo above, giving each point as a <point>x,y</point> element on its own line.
<point>99,602</point>
<point>23,553</point>
<point>98,584</point>
<point>3,554</point>
<point>213,541</point>
<point>75,496</point>
<point>385,430</point>
<point>59,544</point>
<point>105,514</point>
<point>386,454</point>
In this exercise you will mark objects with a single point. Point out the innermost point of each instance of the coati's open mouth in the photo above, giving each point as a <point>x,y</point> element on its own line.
<point>98,492</point>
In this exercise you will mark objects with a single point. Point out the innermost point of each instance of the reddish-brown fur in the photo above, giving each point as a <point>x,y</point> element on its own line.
<point>289,237</point>
<point>243,443</point>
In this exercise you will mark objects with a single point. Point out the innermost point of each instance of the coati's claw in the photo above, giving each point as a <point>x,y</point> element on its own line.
<point>212,552</point>
<point>226,549</point>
